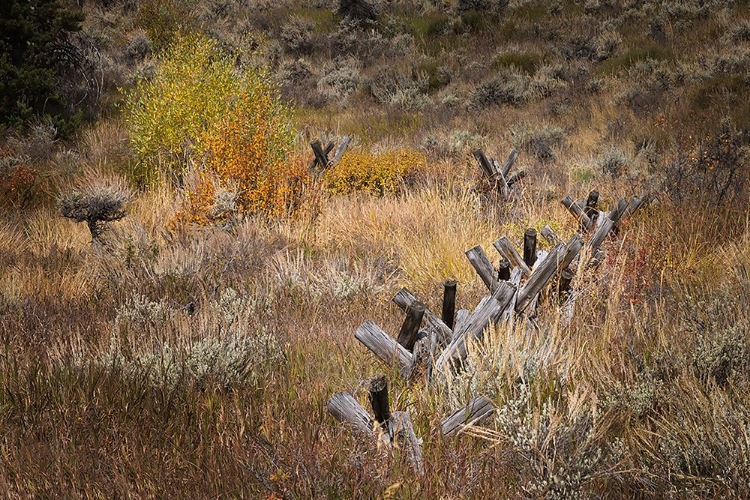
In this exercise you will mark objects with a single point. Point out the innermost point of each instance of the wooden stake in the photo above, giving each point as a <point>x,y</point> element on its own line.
<point>444,334</point>
<point>449,303</point>
<point>407,336</point>
<point>379,399</point>
<point>503,271</point>
<point>320,157</point>
<point>529,247</point>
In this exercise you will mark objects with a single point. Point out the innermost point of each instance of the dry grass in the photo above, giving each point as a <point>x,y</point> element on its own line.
<point>197,362</point>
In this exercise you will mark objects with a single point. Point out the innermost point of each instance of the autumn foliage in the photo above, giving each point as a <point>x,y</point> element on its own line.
<point>219,131</point>
<point>375,173</point>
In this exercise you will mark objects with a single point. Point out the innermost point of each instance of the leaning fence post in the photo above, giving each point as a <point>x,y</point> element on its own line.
<point>407,336</point>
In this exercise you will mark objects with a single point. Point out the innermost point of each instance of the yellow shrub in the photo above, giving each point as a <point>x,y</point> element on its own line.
<point>230,125</point>
<point>374,173</point>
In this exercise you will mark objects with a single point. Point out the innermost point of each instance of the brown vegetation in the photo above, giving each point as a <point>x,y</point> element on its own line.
<point>197,360</point>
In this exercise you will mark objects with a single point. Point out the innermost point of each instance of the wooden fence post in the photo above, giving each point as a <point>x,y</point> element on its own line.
<point>503,271</point>
<point>590,210</point>
<point>444,334</point>
<point>449,303</point>
<point>483,267</point>
<point>529,247</point>
<point>379,399</point>
<point>407,336</point>
<point>320,156</point>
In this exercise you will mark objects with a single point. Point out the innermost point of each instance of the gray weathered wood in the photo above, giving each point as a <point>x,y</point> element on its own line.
<point>341,150</point>
<point>379,399</point>
<point>558,258</point>
<point>600,234</point>
<point>508,251</point>
<point>477,409</point>
<point>385,347</point>
<point>407,336</point>
<point>529,247</point>
<point>609,222</point>
<point>577,212</point>
<point>487,168</point>
<point>404,298</point>
<point>489,310</point>
<point>402,432</point>
<point>462,317</point>
<point>449,303</point>
<point>551,236</point>
<point>541,275</point>
<point>505,169</point>
<point>483,267</point>
<point>347,410</point>
<point>572,249</point>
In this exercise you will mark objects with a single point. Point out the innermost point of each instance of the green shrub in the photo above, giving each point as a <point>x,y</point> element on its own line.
<point>527,62</point>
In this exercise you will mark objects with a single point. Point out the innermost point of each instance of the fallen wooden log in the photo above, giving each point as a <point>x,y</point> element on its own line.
<point>341,150</point>
<point>512,157</point>
<point>477,409</point>
<point>577,212</point>
<point>558,258</point>
<point>551,236</point>
<point>347,410</point>
<point>402,433</point>
<point>385,347</point>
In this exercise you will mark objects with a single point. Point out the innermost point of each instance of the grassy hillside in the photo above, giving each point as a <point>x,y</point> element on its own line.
<point>190,349</point>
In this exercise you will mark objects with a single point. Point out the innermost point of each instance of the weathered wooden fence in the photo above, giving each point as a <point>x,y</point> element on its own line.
<point>439,344</point>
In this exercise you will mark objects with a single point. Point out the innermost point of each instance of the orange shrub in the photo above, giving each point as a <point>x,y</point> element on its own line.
<point>374,173</point>
<point>248,169</point>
